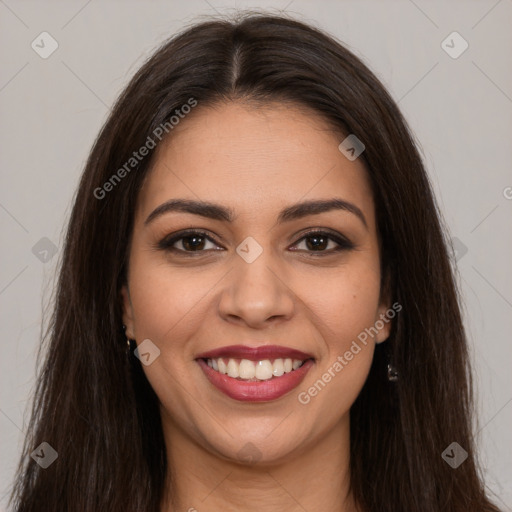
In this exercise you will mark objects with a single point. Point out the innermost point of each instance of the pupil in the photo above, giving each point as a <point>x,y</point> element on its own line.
<point>316,244</point>
<point>195,244</point>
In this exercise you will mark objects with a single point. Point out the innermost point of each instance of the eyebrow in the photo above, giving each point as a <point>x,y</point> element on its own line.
<point>218,212</point>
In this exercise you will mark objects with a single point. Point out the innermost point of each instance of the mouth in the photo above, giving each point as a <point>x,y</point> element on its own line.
<point>255,374</point>
<point>254,371</point>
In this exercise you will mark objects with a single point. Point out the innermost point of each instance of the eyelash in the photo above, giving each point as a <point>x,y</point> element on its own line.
<point>343,243</point>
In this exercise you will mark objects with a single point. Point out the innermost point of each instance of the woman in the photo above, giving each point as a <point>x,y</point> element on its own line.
<point>256,308</point>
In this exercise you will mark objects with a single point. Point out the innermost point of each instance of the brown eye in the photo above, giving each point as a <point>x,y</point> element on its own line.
<point>323,242</point>
<point>193,242</point>
<point>188,242</point>
<point>317,242</point>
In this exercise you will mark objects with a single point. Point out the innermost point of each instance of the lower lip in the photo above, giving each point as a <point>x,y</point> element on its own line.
<point>262,391</point>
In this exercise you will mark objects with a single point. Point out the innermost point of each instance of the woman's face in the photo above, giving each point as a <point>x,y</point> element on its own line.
<point>247,292</point>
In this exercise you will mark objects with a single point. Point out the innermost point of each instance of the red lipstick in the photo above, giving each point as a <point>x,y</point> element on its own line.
<point>255,390</point>
<point>255,353</point>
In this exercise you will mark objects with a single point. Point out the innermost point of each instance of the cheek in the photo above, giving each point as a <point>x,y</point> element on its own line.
<point>167,301</point>
<point>344,308</point>
<point>170,307</point>
<point>344,304</point>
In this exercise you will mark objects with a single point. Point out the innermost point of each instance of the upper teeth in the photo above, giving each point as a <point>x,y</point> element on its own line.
<point>259,370</point>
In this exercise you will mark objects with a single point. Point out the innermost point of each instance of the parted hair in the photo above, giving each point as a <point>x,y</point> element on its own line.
<point>94,405</point>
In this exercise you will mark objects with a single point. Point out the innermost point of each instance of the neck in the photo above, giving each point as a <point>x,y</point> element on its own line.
<point>318,478</point>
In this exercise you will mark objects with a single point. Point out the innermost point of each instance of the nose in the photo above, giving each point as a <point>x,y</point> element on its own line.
<point>256,294</point>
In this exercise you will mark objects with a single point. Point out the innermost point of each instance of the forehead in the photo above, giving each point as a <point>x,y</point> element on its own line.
<point>251,158</point>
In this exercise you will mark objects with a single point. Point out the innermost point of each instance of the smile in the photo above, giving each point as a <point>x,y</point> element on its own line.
<point>255,374</point>
<point>248,370</point>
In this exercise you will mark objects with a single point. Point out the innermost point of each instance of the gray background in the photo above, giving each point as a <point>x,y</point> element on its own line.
<point>459,109</point>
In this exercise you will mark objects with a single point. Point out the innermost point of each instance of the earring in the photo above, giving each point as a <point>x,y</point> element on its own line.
<point>392,373</point>
<point>128,343</point>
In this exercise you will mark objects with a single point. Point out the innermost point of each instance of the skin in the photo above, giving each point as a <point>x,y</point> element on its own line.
<point>255,161</point>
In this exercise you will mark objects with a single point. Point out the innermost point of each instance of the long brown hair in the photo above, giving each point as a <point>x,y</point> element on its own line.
<point>93,404</point>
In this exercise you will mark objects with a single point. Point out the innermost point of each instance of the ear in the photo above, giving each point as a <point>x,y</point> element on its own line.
<point>383,322</point>
<point>385,312</point>
<point>128,319</point>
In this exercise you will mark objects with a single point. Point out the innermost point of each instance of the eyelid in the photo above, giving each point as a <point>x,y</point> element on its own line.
<point>168,241</point>
<point>342,241</point>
